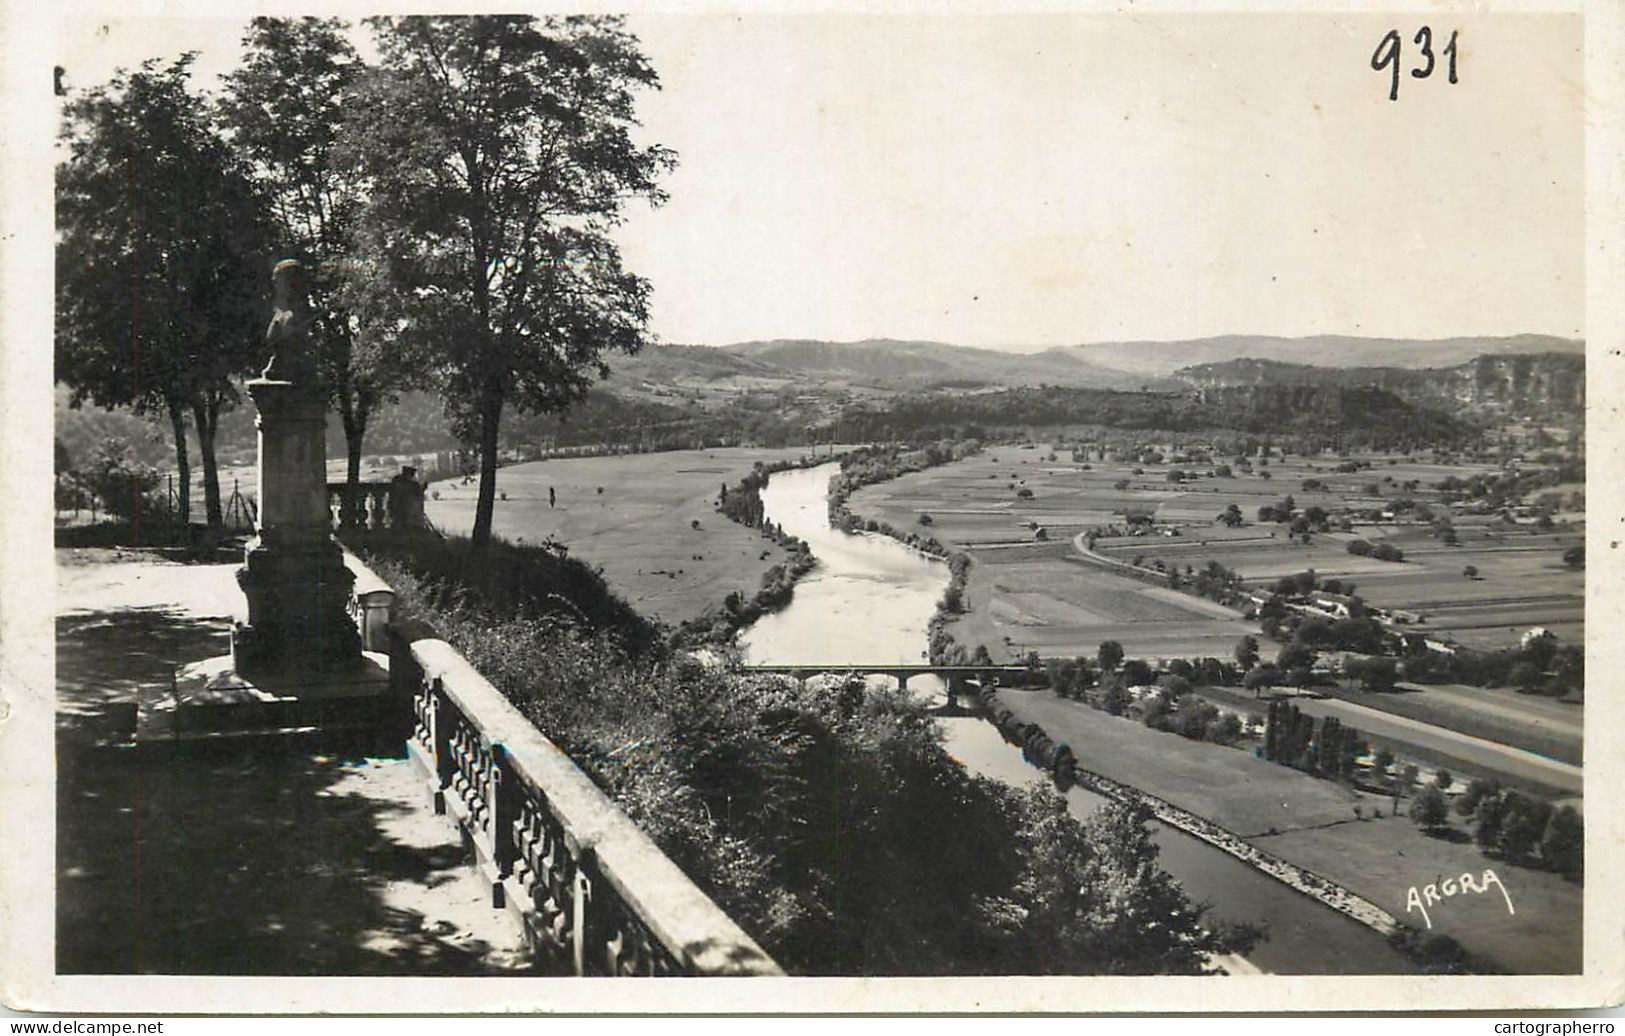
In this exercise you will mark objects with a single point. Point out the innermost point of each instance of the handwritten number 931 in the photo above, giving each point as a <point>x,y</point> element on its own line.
<point>1386,56</point>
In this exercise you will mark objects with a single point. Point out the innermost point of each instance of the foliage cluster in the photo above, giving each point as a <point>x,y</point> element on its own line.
<point>1292,739</point>
<point>1524,829</point>
<point>1380,551</point>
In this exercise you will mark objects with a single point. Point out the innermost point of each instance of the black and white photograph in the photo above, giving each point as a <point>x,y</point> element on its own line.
<point>1063,493</point>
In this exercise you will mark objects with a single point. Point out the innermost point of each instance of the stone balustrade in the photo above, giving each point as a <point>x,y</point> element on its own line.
<point>591,889</point>
<point>373,509</point>
<point>371,605</point>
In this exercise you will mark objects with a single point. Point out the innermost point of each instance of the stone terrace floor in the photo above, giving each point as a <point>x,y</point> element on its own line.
<point>265,856</point>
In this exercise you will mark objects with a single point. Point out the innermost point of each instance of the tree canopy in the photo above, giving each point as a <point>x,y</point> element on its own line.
<point>163,257</point>
<point>285,109</point>
<point>498,156</point>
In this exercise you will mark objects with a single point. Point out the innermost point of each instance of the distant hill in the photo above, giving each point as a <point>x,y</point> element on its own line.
<point>903,365</point>
<point>1550,385</point>
<point>679,363</point>
<point>1164,358</point>
<point>1324,415</point>
<point>780,392</point>
<point>890,363</point>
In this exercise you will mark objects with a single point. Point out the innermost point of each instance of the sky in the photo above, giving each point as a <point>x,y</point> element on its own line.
<point>1021,181</point>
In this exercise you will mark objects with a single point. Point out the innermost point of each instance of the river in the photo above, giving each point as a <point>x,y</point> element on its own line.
<point>868,602</point>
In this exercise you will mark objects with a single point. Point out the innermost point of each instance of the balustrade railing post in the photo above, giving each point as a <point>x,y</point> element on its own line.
<point>581,914</point>
<point>505,806</point>
<point>350,505</point>
<point>445,767</point>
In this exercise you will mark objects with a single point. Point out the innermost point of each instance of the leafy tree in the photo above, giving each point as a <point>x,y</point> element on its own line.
<point>1154,712</point>
<point>1115,699</point>
<point>1261,678</point>
<point>1225,730</point>
<point>118,480</point>
<point>1539,651</point>
<point>1378,675</point>
<point>1381,763</point>
<point>1470,571</point>
<point>1174,687</point>
<point>1247,651</point>
<point>1488,820</point>
<point>285,108</point>
<point>1295,657</point>
<point>1136,672</point>
<point>163,261</point>
<point>1563,844</point>
<point>1110,655</point>
<point>1195,718</point>
<point>499,157</point>
<point>1575,557</point>
<point>1477,789</point>
<point>1428,810</point>
<point>1523,826</point>
<point>1525,676</point>
<point>1568,669</point>
<point>1093,892</point>
<point>1362,635</point>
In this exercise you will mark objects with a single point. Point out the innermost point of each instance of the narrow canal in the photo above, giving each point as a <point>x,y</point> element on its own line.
<point>869,601</point>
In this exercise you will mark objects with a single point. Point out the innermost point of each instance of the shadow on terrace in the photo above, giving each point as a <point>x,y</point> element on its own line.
<point>267,856</point>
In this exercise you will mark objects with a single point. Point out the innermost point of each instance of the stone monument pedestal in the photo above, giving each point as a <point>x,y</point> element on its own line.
<point>296,665</point>
<point>212,699</point>
<point>293,575</point>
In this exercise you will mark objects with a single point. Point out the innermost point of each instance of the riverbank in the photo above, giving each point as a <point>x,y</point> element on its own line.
<point>1028,589</point>
<point>941,645</point>
<point>1060,758</point>
<point>1310,824</point>
<point>870,599</point>
<point>742,504</point>
<point>648,521</point>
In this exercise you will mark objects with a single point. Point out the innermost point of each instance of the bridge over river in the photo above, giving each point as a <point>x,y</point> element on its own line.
<point>953,675</point>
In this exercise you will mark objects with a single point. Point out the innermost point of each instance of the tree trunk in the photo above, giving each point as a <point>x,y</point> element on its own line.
<point>490,415</point>
<point>177,423</point>
<point>206,416</point>
<point>354,417</point>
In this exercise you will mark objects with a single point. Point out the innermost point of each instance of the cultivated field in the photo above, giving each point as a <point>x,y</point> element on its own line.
<point>1382,859</point>
<point>634,517</point>
<point>1311,822</point>
<point>1029,595</point>
<point>1467,742</point>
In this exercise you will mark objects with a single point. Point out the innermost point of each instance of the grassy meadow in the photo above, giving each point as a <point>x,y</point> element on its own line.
<point>647,520</point>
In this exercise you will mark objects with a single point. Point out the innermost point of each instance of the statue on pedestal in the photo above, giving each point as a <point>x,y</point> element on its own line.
<point>297,664</point>
<point>294,577</point>
<point>293,358</point>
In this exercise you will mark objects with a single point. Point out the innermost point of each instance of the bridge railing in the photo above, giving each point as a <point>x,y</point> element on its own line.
<point>589,887</point>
